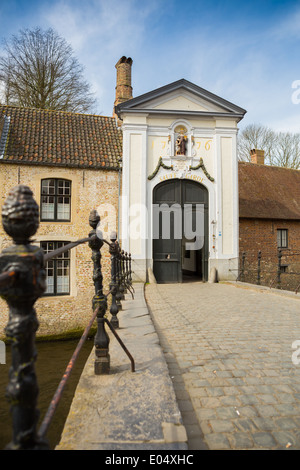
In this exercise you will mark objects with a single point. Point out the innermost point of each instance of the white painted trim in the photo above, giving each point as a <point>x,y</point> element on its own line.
<point>124,239</point>
<point>144,176</point>
<point>235,195</point>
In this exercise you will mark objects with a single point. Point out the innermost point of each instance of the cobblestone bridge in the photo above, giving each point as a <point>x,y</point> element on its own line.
<point>230,357</point>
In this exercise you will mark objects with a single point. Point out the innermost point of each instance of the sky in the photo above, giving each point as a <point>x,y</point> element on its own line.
<point>246,52</point>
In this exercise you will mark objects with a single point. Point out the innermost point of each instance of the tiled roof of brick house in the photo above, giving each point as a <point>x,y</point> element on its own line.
<point>45,137</point>
<point>268,192</point>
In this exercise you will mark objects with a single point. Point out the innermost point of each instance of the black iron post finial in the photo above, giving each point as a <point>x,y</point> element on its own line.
<point>20,218</point>
<point>113,249</point>
<point>102,358</point>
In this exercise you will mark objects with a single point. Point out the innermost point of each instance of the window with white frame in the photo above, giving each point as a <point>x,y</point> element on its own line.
<point>56,200</point>
<point>57,269</point>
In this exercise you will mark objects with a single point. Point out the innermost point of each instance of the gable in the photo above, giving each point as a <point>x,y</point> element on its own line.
<point>181,100</point>
<point>181,97</point>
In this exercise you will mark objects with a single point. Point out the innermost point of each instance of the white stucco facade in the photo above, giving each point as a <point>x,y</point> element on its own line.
<point>151,124</point>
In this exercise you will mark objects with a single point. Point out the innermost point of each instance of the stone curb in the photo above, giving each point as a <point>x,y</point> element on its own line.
<point>127,410</point>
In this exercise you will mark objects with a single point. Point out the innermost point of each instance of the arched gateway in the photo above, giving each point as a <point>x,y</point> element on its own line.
<point>180,231</point>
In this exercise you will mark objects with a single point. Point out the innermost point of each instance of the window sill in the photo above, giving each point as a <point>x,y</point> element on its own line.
<point>56,222</point>
<point>57,297</point>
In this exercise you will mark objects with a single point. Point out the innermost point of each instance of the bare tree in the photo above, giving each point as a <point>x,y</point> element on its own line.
<point>39,70</point>
<point>287,151</point>
<point>281,148</point>
<point>256,136</point>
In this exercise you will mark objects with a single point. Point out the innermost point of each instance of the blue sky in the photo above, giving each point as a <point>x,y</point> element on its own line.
<point>245,52</point>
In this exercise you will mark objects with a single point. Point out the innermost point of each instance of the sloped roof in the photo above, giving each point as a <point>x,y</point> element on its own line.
<point>268,192</point>
<point>45,137</point>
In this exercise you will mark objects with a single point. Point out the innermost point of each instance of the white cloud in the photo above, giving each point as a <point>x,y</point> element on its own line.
<point>101,32</point>
<point>249,66</point>
<point>100,25</point>
<point>288,26</point>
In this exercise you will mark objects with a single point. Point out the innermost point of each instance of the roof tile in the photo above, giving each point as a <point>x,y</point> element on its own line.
<point>59,138</point>
<point>268,192</point>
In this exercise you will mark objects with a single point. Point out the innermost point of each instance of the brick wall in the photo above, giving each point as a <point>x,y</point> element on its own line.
<point>90,190</point>
<point>123,82</point>
<point>261,234</point>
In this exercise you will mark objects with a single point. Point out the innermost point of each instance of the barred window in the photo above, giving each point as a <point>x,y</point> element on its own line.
<point>282,238</point>
<point>56,200</point>
<point>57,270</point>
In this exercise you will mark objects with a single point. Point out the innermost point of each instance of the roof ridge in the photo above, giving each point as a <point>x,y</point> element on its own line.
<point>53,111</point>
<point>268,166</point>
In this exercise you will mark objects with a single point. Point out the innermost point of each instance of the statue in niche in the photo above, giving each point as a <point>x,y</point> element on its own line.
<point>181,143</point>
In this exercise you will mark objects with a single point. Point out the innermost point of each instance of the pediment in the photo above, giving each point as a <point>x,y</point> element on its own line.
<point>180,97</point>
<point>181,101</point>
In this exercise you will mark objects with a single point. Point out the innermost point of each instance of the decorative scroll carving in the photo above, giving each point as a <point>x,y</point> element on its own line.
<point>202,166</point>
<point>162,165</point>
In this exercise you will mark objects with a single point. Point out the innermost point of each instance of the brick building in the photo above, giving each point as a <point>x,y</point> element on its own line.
<point>70,162</point>
<point>269,219</point>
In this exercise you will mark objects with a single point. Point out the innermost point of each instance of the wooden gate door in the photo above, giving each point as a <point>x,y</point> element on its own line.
<point>169,200</point>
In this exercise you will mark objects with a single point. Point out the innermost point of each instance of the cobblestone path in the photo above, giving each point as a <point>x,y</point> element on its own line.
<point>229,352</point>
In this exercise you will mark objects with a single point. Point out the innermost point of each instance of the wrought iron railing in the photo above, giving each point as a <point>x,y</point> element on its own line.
<point>22,282</point>
<point>250,265</point>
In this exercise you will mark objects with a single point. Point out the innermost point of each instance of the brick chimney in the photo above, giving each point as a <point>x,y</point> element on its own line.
<point>123,87</point>
<point>257,156</point>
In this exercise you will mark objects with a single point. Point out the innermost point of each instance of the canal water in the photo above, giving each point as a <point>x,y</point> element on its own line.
<point>52,360</point>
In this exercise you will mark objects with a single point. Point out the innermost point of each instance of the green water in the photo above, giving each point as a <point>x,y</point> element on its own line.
<point>52,360</point>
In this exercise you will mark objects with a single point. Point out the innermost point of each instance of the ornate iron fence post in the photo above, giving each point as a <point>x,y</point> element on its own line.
<point>20,216</point>
<point>118,277</point>
<point>279,256</point>
<point>122,288</point>
<point>258,267</point>
<point>113,249</point>
<point>127,269</point>
<point>124,273</point>
<point>130,272</point>
<point>102,357</point>
<point>243,267</point>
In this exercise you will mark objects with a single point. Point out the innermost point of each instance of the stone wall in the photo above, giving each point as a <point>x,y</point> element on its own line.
<point>91,189</point>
